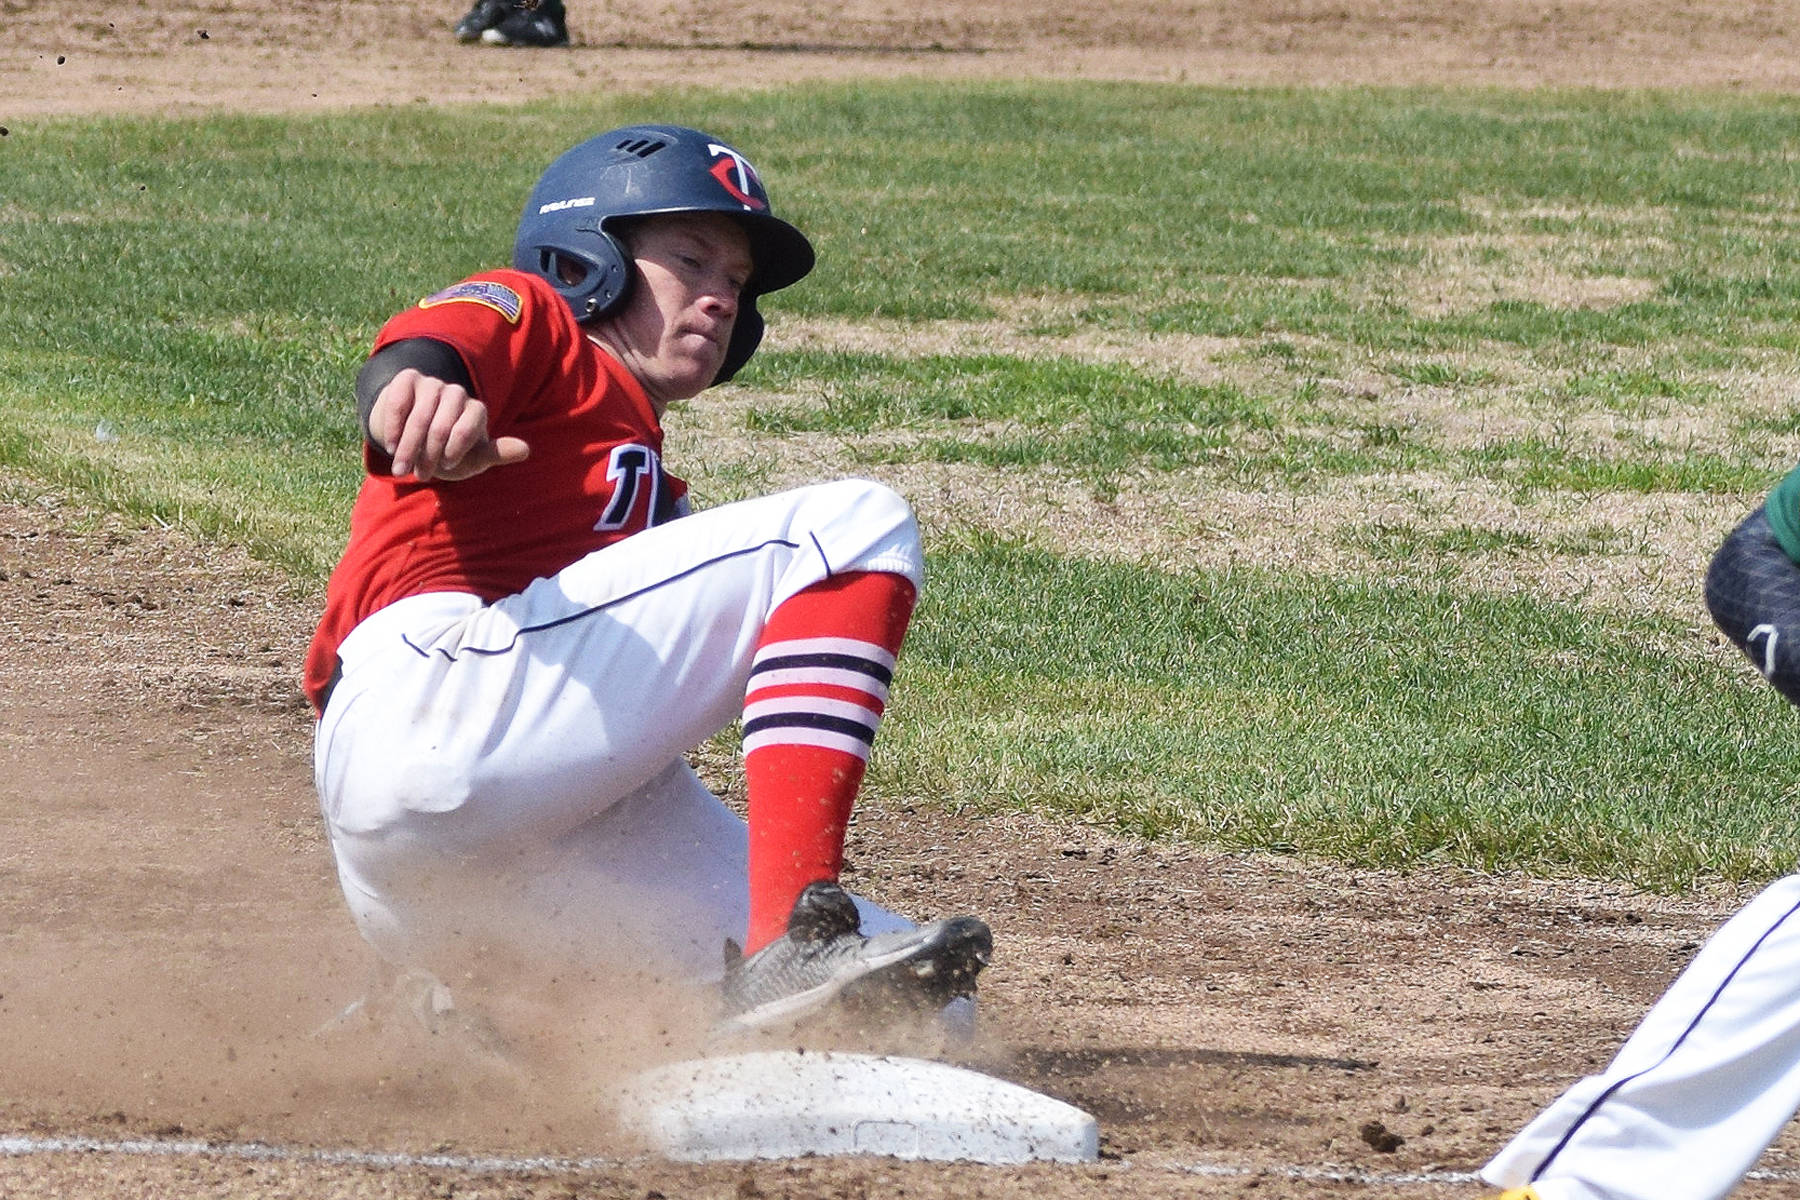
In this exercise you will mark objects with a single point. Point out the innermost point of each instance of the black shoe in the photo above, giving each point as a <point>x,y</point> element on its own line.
<point>542,24</point>
<point>478,20</point>
<point>823,957</point>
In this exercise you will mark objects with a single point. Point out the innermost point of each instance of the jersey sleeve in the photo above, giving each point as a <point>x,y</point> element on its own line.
<point>1783,508</point>
<point>510,328</point>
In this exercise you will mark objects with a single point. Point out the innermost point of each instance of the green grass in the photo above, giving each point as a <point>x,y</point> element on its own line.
<point>1002,411</point>
<point>1404,541</point>
<point>1559,295</point>
<point>1543,464</point>
<point>1353,720</point>
<point>251,257</point>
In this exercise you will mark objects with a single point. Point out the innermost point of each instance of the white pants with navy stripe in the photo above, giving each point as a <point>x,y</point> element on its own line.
<point>506,783</point>
<point>1698,1092</point>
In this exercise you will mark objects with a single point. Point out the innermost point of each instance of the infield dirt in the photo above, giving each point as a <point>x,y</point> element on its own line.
<point>172,935</point>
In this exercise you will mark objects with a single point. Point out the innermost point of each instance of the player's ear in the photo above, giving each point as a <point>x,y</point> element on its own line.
<point>567,269</point>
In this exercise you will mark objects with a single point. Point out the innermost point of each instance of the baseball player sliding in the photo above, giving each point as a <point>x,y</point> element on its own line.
<point>529,629</point>
<point>1712,1074</point>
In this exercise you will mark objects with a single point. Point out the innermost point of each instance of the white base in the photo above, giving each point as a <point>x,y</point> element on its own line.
<point>787,1104</point>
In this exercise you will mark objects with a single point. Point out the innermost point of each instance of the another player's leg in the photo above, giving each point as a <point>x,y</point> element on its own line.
<point>1697,1092</point>
<point>1712,1073</point>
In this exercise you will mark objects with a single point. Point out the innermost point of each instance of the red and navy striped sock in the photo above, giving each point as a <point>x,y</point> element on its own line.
<point>818,686</point>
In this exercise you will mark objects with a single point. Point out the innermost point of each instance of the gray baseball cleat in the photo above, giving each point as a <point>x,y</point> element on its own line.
<point>823,958</point>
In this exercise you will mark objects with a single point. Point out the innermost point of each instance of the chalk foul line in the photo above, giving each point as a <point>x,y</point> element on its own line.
<point>21,1145</point>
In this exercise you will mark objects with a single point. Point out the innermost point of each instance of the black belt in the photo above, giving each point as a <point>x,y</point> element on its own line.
<point>337,675</point>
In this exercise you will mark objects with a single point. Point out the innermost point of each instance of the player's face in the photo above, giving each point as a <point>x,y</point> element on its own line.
<point>674,329</point>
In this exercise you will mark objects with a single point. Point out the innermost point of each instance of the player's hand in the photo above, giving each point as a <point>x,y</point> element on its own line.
<point>436,430</point>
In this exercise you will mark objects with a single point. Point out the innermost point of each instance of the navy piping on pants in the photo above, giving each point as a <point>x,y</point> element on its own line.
<point>425,652</point>
<point>1700,1016</point>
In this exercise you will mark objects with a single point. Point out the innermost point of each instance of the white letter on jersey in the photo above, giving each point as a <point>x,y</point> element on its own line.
<point>631,469</point>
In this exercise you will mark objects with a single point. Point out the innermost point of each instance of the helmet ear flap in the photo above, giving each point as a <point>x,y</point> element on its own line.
<point>594,280</point>
<point>615,278</point>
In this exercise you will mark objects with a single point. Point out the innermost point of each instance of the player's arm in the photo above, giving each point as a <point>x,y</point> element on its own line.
<point>418,408</point>
<point>1753,587</point>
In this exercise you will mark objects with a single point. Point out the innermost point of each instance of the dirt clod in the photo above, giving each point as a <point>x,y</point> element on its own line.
<point>1380,1138</point>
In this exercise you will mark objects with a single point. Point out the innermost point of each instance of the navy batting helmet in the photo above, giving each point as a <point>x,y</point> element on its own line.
<point>571,219</point>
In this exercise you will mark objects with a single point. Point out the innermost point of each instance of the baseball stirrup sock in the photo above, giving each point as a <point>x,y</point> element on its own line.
<point>818,685</point>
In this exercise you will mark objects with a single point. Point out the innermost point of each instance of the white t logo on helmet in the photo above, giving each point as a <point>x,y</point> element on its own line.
<point>736,175</point>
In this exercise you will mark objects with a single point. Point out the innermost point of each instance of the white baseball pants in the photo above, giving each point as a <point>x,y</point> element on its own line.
<point>1698,1091</point>
<point>507,781</point>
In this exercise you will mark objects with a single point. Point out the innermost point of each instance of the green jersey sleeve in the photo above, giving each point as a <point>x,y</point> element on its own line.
<point>1783,508</point>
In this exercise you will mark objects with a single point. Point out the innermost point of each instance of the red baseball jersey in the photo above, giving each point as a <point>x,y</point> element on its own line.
<point>594,475</point>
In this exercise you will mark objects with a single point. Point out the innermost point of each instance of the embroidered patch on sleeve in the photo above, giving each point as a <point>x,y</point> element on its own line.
<point>496,296</point>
